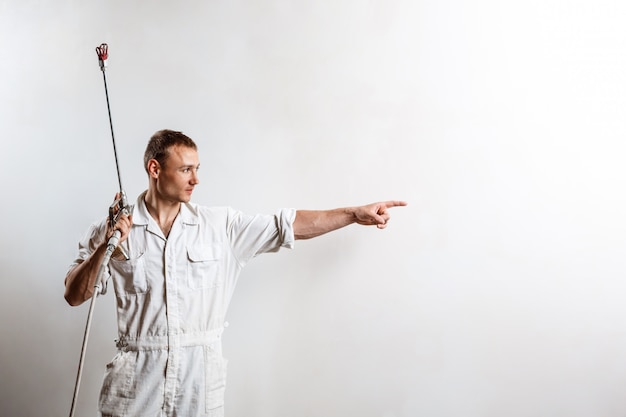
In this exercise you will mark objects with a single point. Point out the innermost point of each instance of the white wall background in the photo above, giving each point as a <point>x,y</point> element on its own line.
<point>497,292</point>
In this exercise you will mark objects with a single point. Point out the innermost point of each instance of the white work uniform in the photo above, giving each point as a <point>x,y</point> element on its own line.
<point>172,295</point>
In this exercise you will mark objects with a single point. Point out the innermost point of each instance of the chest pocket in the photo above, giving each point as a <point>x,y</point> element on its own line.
<point>130,276</point>
<point>203,267</point>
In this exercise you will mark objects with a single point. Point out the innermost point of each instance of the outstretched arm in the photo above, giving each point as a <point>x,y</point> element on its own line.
<point>312,223</point>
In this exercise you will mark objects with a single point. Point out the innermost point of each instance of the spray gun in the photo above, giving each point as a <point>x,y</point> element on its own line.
<point>116,210</point>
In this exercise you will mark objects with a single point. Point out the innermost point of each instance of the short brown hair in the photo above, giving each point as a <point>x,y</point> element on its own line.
<point>160,143</point>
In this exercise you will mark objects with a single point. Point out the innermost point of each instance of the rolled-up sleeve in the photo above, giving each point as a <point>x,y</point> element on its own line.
<point>94,236</point>
<point>285,219</point>
<point>252,235</point>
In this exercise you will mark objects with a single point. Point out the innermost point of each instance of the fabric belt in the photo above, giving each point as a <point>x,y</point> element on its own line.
<point>126,343</point>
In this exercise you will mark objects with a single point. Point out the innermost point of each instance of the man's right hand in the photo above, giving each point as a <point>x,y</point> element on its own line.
<point>123,224</point>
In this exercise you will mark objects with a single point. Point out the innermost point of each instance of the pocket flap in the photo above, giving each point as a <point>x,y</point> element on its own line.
<point>204,254</point>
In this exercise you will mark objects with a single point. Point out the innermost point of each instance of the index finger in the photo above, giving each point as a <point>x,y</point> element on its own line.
<point>394,203</point>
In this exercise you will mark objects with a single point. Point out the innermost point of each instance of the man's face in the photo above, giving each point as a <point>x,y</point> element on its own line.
<point>179,175</point>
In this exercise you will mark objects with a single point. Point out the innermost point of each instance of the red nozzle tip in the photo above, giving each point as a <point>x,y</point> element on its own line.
<point>103,52</point>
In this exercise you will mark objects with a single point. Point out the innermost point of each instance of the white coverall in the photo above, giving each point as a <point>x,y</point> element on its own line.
<point>172,295</point>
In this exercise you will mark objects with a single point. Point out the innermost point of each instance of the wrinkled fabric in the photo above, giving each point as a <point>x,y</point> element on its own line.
<point>172,295</point>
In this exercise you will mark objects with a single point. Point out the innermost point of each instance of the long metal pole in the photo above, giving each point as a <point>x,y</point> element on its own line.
<point>102,52</point>
<point>83,350</point>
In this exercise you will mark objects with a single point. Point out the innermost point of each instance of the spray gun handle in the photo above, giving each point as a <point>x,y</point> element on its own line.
<point>119,207</point>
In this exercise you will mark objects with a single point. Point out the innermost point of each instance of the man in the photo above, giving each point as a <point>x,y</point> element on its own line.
<point>174,273</point>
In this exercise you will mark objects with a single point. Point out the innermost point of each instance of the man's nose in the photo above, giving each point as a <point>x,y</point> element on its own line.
<point>194,177</point>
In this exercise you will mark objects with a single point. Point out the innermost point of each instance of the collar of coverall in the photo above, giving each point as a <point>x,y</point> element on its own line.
<point>141,217</point>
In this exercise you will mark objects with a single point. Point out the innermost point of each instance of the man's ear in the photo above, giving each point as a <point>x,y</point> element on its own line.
<point>154,168</point>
